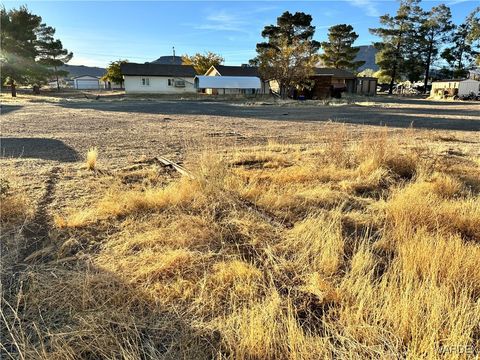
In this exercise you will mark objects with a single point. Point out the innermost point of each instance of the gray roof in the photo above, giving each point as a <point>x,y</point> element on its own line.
<point>150,69</point>
<point>335,73</point>
<point>173,60</point>
<point>237,70</point>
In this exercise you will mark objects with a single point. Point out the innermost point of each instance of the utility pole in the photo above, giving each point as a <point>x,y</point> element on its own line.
<point>173,47</point>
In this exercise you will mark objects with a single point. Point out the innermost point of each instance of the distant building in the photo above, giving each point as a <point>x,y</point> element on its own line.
<point>238,72</point>
<point>158,78</point>
<point>330,82</point>
<point>86,82</point>
<point>229,84</point>
<point>455,87</point>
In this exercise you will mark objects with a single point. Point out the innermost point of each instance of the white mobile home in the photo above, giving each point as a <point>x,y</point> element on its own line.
<point>455,87</point>
<point>158,78</point>
<point>229,84</point>
<point>86,82</point>
<point>237,71</point>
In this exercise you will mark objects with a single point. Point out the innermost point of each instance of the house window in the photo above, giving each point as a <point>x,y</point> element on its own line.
<point>146,81</point>
<point>171,82</point>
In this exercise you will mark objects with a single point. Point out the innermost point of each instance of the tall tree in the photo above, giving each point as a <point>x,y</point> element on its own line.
<point>461,53</point>
<point>338,51</point>
<point>435,30</point>
<point>474,36</point>
<point>202,62</point>
<point>18,35</point>
<point>114,73</point>
<point>289,53</point>
<point>395,32</point>
<point>51,52</point>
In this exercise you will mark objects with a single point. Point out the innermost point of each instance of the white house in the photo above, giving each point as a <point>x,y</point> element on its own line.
<point>158,78</point>
<point>86,82</point>
<point>454,87</point>
<point>238,71</point>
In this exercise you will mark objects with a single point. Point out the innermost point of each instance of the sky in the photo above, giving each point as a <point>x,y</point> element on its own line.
<point>99,32</point>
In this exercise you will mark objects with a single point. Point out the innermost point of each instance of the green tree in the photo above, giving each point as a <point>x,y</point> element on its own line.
<point>395,33</point>
<point>338,51</point>
<point>289,55</point>
<point>461,53</point>
<point>202,62</point>
<point>435,30</point>
<point>18,35</point>
<point>51,52</point>
<point>114,73</point>
<point>474,36</point>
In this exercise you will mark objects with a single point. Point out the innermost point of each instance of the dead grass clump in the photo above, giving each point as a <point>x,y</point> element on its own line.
<point>430,204</point>
<point>91,159</point>
<point>315,244</point>
<point>14,205</point>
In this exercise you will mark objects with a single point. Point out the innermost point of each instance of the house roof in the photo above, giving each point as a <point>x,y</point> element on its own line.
<point>157,70</point>
<point>237,70</point>
<point>335,73</point>
<point>227,82</point>
<point>90,76</point>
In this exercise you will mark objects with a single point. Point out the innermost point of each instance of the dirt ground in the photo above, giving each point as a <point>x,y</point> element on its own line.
<point>44,142</point>
<point>41,134</point>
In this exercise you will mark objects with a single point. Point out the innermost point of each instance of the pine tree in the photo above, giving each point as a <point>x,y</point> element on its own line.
<point>51,52</point>
<point>395,33</point>
<point>18,34</point>
<point>289,55</point>
<point>434,31</point>
<point>338,51</point>
<point>461,53</point>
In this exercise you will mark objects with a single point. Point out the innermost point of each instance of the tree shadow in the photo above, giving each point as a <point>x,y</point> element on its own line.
<point>37,148</point>
<point>436,116</point>
<point>5,109</point>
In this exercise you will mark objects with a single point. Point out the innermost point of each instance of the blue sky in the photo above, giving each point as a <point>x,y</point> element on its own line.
<point>102,31</point>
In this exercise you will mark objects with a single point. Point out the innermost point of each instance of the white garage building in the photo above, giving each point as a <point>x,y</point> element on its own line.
<point>158,78</point>
<point>86,82</point>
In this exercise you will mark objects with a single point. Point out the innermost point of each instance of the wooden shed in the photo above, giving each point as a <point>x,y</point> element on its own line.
<point>366,86</point>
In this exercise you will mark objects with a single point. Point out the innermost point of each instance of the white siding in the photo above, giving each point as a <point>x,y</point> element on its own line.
<point>468,86</point>
<point>86,82</point>
<point>157,85</point>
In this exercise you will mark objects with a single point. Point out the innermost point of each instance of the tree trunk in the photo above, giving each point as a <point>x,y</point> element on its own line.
<point>13,88</point>
<point>56,76</point>
<point>427,68</point>
<point>393,74</point>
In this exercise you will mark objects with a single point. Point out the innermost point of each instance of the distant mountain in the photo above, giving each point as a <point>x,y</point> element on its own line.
<point>79,70</point>
<point>367,53</point>
<point>165,60</point>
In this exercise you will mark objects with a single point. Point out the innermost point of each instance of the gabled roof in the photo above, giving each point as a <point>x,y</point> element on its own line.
<point>237,70</point>
<point>82,76</point>
<point>335,73</point>
<point>157,70</point>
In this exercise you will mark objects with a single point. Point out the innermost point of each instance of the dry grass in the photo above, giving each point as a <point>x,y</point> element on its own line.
<point>381,261</point>
<point>91,158</point>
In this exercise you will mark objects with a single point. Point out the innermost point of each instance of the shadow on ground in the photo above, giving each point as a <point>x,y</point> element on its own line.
<point>438,115</point>
<point>37,148</point>
<point>5,109</point>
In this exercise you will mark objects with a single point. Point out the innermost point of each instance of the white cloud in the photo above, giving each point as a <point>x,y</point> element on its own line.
<point>223,21</point>
<point>369,7</point>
